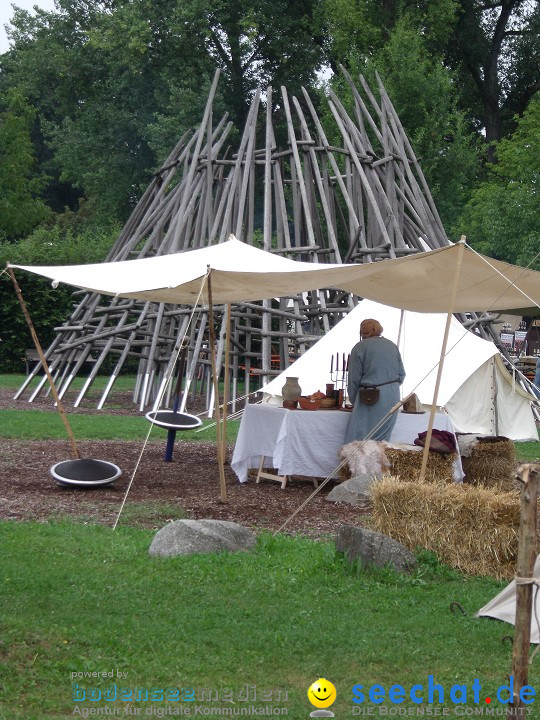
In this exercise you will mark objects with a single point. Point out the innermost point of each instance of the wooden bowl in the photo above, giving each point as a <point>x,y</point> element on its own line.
<point>307,403</point>
<point>328,402</point>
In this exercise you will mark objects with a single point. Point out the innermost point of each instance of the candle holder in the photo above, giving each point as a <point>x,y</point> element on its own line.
<point>339,374</point>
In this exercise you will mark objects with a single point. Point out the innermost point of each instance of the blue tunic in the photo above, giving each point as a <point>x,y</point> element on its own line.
<point>373,361</point>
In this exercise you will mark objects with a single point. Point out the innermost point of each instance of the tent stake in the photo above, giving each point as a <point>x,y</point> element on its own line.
<point>530,475</point>
<point>441,360</point>
<point>45,364</point>
<point>222,484</point>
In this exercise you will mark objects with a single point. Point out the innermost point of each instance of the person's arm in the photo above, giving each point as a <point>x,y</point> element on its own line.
<point>401,370</point>
<point>355,375</point>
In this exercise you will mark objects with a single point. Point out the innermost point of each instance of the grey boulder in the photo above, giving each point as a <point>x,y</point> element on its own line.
<point>355,491</point>
<point>184,537</point>
<point>373,549</point>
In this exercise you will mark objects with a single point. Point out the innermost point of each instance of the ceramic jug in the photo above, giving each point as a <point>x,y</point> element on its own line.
<point>291,390</point>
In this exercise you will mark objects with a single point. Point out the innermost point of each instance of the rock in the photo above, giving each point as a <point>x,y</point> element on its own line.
<point>355,491</point>
<point>184,537</point>
<point>373,548</point>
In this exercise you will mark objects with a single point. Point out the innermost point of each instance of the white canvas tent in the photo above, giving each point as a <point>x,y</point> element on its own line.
<point>503,605</point>
<point>476,389</point>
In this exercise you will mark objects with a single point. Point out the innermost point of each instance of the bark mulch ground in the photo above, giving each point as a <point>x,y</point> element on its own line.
<point>186,487</point>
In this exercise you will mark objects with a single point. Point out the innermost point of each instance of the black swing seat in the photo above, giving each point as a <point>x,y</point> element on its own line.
<point>85,473</point>
<point>171,420</point>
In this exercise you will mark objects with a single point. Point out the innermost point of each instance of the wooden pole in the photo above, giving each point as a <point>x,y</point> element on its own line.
<point>39,349</point>
<point>226,384</point>
<point>222,484</point>
<point>461,250</point>
<point>530,475</point>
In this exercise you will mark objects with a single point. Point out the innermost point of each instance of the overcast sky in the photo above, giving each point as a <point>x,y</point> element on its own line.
<point>6,12</point>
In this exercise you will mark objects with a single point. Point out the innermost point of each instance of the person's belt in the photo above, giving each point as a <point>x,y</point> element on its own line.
<point>388,382</point>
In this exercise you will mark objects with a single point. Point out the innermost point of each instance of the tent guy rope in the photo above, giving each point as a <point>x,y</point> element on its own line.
<point>162,393</point>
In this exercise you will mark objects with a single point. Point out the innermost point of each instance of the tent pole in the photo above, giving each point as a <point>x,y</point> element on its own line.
<point>461,250</point>
<point>530,475</point>
<point>226,384</point>
<point>74,447</point>
<point>223,487</point>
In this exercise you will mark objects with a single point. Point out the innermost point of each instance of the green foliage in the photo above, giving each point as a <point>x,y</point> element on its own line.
<point>495,51</point>
<point>21,208</point>
<point>48,307</point>
<point>116,87</point>
<point>502,219</point>
<point>277,617</point>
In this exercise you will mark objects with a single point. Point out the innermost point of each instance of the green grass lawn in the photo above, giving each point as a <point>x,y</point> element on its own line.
<point>37,425</point>
<point>76,598</point>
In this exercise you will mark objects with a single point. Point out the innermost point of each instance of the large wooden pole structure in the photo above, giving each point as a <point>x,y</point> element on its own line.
<point>358,196</point>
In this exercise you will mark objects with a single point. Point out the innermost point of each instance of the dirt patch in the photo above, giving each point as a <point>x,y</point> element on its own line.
<point>188,486</point>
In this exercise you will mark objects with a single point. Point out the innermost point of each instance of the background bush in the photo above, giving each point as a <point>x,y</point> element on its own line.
<point>47,306</point>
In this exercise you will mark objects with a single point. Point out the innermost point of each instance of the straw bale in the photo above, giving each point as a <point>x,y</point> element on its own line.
<point>492,463</point>
<point>407,465</point>
<point>473,529</point>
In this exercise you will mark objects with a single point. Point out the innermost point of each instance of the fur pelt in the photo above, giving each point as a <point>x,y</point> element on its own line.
<point>365,457</point>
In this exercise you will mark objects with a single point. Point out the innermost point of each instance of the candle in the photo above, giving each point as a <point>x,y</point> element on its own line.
<point>343,364</point>
<point>348,361</point>
<point>332,364</point>
<point>337,362</point>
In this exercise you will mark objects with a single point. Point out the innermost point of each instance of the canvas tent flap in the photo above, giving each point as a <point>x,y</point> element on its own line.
<point>489,403</point>
<point>240,272</point>
<point>503,606</point>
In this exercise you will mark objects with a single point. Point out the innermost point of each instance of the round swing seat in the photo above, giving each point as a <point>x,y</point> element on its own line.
<point>85,473</point>
<point>171,420</point>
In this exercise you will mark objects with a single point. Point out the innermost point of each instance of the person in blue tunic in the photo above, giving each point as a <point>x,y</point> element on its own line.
<point>375,361</point>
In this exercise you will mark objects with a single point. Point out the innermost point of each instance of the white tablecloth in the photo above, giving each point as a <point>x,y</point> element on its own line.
<point>306,442</point>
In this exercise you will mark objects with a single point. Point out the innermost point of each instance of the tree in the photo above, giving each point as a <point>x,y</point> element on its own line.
<point>21,207</point>
<point>492,47</point>
<point>496,49</point>
<point>102,77</point>
<point>116,82</point>
<point>502,219</point>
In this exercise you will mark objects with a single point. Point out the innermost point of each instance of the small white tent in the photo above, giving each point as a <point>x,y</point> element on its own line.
<point>503,605</point>
<point>476,389</point>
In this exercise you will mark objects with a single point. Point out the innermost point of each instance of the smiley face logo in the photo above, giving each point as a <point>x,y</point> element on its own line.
<point>321,693</point>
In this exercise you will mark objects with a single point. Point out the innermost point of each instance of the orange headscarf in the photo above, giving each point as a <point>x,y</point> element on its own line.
<point>370,328</point>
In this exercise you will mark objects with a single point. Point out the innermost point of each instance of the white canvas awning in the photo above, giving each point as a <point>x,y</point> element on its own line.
<point>241,272</point>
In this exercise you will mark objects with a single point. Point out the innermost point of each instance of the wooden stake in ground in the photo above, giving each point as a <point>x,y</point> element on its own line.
<point>75,449</point>
<point>530,476</point>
